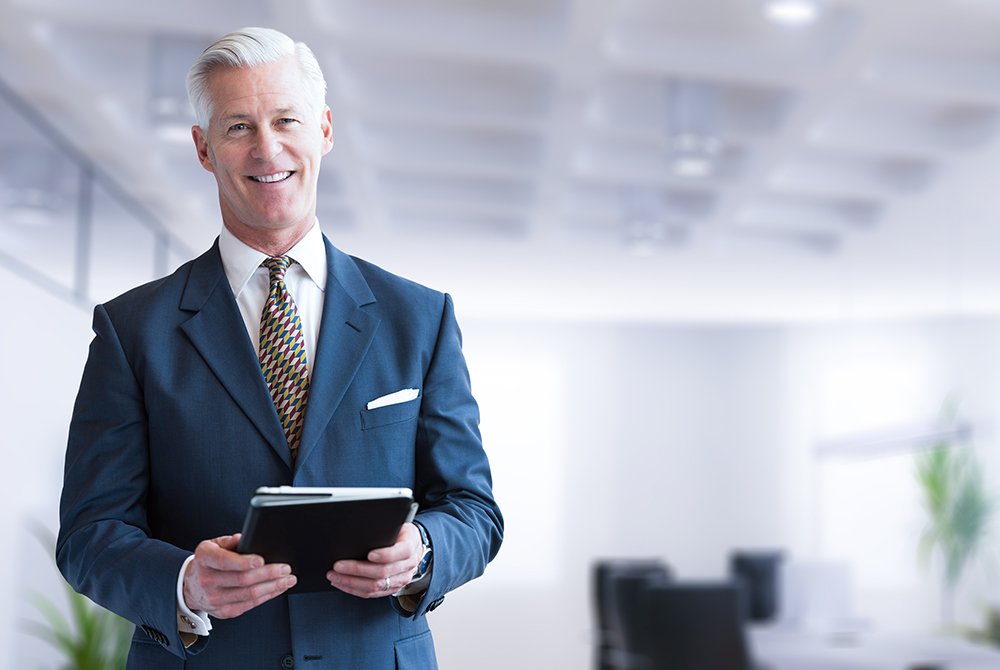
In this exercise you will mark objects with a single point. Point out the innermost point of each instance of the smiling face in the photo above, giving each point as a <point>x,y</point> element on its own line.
<point>264,144</point>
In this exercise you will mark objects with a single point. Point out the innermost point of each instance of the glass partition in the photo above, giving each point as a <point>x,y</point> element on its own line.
<point>64,224</point>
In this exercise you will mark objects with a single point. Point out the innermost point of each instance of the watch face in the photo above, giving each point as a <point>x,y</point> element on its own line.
<point>425,561</point>
<point>423,534</point>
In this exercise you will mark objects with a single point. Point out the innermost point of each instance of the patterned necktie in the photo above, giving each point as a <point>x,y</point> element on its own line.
<point>283,353</point>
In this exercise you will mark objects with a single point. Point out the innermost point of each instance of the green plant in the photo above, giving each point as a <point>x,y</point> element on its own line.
<point>91,638</point>
<point>959,509</point>
<point>990,632</point>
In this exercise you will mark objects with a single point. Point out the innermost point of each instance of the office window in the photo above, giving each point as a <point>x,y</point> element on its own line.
<point>123,248</point>
<point>39,198</point>
<point>872,394</point>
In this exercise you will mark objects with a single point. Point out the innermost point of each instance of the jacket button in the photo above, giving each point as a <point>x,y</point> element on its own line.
<point>288,662</point>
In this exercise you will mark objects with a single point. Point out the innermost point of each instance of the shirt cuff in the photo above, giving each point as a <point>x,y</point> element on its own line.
<point>418,586</point>
<point>409,596</point>
<point>189,621</point>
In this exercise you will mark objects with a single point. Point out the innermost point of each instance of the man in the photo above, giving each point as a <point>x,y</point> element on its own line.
<point>182,411</point>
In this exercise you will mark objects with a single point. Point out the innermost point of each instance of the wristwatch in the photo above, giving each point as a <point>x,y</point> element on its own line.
<point>425,559</point>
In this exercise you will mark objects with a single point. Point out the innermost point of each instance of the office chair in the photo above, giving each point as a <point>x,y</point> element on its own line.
<point>759,574</point>
<point>617,585</point>
<point>698,626</point>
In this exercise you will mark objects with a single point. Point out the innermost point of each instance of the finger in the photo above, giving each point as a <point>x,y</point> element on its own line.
<point>241,579</point>
<point>229,542</point>
<point>408,544</point>
<point>363,569</point>
<point>254,593</point>
<point>226,593</point>
<point>394,554</point>
<point>218,554</point>
<point>375,571</point>
<point>407,549</point>
<point>364,587</point>
<point>234,602</point>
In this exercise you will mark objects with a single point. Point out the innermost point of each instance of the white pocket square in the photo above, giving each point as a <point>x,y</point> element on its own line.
<point>403,395</point>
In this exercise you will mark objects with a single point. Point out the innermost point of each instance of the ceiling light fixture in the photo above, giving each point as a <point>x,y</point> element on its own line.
<point>174,133</point>
<point>647,228</point>
<point>692,146</point>
<point>692,155</point>
<point>644,236</point>
<point>31,207</point>
<point>42,187</point>
<point>792,12</point>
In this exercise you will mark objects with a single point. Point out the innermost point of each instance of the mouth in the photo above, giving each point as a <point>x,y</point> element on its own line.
<point>271,178</point>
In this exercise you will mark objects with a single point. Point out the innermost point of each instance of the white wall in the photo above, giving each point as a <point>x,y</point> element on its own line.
<point>607,440</point>
<point>42,352</point>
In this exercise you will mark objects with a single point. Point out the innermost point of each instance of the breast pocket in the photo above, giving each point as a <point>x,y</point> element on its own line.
<point>390,414</point>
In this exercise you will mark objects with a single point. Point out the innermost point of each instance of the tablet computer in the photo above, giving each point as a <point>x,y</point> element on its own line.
<point>312,527</point>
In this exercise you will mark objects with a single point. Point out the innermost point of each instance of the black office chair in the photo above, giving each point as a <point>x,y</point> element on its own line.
<point>698,626</point>
<point>617,587</point>
<point>759,573</point>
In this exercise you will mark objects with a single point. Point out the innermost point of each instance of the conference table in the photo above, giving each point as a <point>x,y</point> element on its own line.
<point>788,649</point>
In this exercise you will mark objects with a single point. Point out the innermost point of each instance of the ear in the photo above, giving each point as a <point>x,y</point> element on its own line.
<point>326,125</point>
<point>201,146</point>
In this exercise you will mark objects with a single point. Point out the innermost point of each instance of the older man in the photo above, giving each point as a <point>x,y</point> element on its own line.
<point>187,405</point>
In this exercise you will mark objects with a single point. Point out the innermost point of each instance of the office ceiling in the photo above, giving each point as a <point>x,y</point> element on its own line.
<point>639,159</point>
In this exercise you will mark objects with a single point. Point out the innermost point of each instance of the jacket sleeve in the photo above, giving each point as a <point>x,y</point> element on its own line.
<point>105,549</point>
<point>453,480</point>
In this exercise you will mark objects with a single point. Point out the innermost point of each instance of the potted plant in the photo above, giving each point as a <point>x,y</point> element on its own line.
<point>959,510</point>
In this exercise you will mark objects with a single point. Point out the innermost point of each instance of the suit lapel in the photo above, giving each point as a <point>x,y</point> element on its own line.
<point>345,334</point>
<point>217,331</point>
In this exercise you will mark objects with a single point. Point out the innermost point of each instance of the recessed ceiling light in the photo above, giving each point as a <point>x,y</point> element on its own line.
<point>792,12</point>
<point>166,105</point>
<point>692,166</point>
<point>175,133</point>
<point>693,155</point>
<point>31,207</point>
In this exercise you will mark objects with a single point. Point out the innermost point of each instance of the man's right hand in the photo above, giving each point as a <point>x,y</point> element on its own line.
<point>226,584</point>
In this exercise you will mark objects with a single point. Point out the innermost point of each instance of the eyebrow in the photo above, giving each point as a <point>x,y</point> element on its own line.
<point>229,118</point>
<point>238,116</point>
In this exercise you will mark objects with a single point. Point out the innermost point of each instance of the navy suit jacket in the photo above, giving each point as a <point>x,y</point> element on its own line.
<point>174,428</point>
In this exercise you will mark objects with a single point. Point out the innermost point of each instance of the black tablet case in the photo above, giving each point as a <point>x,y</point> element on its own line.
<point>310,536</point>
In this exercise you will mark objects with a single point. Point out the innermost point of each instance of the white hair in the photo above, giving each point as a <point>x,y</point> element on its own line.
<point>251,47</point>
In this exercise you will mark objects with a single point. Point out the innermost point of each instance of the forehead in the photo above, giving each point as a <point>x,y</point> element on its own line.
<point>245,90</point>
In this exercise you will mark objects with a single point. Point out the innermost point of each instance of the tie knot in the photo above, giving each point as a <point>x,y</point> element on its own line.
<point>277,266</point>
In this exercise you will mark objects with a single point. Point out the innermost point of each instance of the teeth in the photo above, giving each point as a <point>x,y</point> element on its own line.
<point>271,178</point>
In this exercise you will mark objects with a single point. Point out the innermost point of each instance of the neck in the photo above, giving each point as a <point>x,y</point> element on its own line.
<point>270,242</point>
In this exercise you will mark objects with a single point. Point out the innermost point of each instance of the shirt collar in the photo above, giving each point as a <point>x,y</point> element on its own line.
<point>240,261</point>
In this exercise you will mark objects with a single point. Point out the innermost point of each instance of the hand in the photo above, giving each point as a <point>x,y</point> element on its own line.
<point>226,584</point>
<point>398,563</point>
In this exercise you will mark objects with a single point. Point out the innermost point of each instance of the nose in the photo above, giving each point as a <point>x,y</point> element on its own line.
<point>267,145</point>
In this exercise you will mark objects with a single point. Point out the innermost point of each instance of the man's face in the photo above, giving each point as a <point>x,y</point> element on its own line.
<point>264,144</point>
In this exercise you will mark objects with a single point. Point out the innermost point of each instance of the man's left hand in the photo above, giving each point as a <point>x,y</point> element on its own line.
<point>386,571</point>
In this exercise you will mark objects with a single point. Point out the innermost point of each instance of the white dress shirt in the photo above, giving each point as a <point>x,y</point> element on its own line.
<point>305,279</point>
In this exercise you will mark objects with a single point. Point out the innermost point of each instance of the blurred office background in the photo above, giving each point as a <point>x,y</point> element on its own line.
<point>719,267</point>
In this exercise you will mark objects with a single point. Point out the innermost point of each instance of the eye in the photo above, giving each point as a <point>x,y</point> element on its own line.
<point>238,127</point>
